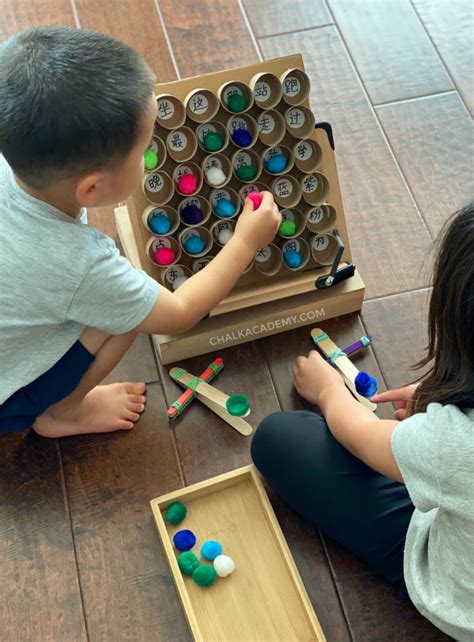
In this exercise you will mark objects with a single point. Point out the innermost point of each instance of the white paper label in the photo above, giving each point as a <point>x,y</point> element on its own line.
<point>248,189</point>
<point>238,123</point>
<point>316,215</point>
<point>262,91</point>
<point>217,195</point>
<point>292,244</point>
<point>198,104</point>
<point>201,263</point>
<point>310,184</point>
<point>180,171</point>
<point>242,159</point>
<point>295,118</point>
<point>153,146</point>
<point>266,123</point>
<point>283,188</point>
<point>154,182</point>
<point>173,273</point>
<point>230,90</point>
<point>165,109</point>
<point>291,86</point>
<point>287,215</point>
<point>320,242</point>
<point>263,255</point>
<point>160,242</point>
<point>177,141</point>
<point>204,129</point>
<point>211,162</point>
<point>304,151</point>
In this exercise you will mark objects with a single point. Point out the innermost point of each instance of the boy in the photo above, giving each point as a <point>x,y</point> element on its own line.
<point>76,115</point>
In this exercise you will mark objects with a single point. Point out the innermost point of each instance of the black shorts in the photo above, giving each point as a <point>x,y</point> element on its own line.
<point>21,410</point>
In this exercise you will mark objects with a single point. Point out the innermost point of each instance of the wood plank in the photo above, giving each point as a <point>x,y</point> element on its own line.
<point>206,36</point>
<point>280,16</point>
<point>387,234</point>
<point>375,612</point>
<point>135,22</point>
<point>390,48</point>
<point>138,364</point>
<point>41,597</point>
<point>21,14</point>
<point>126,584</point>
<point>433,140</point>
<point>450,26</point>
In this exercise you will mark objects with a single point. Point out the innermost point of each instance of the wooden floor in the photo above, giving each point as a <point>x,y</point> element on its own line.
<point>79,553</point>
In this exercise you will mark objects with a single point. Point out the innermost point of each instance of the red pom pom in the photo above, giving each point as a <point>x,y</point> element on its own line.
<point>256,199</point>
<point>164,256</point>
<point>188,184</point>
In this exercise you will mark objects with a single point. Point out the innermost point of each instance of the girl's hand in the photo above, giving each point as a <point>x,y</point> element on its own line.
<point>312,375</point>
<point>401,397</point>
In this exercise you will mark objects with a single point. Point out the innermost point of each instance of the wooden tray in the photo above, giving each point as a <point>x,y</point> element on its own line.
<point>264,599</point>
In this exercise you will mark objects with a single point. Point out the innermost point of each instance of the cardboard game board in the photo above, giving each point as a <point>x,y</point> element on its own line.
<point>270,296</point>
<point>264,599</point>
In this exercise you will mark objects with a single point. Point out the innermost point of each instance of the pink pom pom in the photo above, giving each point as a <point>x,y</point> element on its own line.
<point>164,256</point>
<point>188,184</point>
<point>256,199</point>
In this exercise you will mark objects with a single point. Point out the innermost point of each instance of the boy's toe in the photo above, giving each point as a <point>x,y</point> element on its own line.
<point>136,407</point>
<point>135,388</point>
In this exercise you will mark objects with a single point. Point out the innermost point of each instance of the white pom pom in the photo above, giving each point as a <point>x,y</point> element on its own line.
<point>224,565</point>
<point>179,281</point>
<point>224,236</point>
<point>215,176</point>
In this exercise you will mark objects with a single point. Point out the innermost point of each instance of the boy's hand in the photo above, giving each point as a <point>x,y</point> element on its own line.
<point>401,397</point>
<point>258,228</point>
<point>313,375</point>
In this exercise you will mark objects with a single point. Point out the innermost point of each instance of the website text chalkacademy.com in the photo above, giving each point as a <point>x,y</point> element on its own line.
<point>266,328</point>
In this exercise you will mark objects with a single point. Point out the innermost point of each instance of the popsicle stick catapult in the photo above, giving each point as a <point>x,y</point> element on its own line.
<point>340,360</point>
<point>212,398</point>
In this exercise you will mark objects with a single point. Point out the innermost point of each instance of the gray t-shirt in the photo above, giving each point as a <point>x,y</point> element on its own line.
<point>435,453</point>
<point>57,276</point>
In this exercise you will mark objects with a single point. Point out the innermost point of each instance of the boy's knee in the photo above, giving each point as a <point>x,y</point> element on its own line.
<point>267,435</point>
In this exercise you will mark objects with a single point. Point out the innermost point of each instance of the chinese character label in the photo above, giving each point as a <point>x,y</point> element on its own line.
<point>304,151</point>
<point>160,242</point>
<point>177,141</point>
<point>202,130</point>
<point>292,245</point>
<point>180,171</point>
<point>320,242</point>
<point>229,91</point>
<point>263,254</point>
<point>295,118</point>
<point>212,161</point>
<point>287,215</point>
<point>199,104</point>
<point>248,189</point>
<point>153,146</point>
<point>217,196</point>
<point>283,188</point>
<point>262,91</point>
<point>291,86</point>
<point>266,124</point>
<point>165,109</point>
<point>201,264</point>
<point>154,183</point>
<point>310,184</point>
<point>241,160</point>
<point>316,215</point>
<point>238,123</point>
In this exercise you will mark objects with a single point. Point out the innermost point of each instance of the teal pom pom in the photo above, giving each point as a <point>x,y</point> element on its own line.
<point>292,259</point>
<point>194,245</point>
<point>365,385</point>
<point>276,164</point>
<point>211,549</point>
<point>224,208</point>
<point>160,224</point>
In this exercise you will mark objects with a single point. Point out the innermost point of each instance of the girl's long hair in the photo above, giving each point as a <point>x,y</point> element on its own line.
<point>450,380</point>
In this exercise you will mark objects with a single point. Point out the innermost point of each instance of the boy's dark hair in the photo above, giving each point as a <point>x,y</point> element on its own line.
<point>71,101</point>
<point>450,379</point>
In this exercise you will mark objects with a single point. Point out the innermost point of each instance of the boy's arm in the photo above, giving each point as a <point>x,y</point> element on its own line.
<point>181,310</point>
<point>354,426</point>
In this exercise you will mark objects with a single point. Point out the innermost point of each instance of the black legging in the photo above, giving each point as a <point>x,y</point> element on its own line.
<point>348,501</point>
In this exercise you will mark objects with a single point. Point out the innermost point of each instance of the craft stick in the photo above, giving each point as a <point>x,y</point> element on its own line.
<point>356,347</point>
<point>214,399</point>
<point>342,363</point>
<point>178,406</point>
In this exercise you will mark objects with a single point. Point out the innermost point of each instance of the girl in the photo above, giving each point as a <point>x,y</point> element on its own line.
<point>397,493</point>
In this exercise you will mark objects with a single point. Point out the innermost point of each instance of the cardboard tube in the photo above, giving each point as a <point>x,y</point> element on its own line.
<point>315,188</point>
<point>296,85</point>
<point>158,187</point>
<point>228,194</point>
<point>232,87</point>
<point>299,245</point>
<point>271,127</point>
<point>198,201</point>
<point>268,260</point>
<point>201,105</point>
<point>219,161</point>
<point>324,248</point>
<point>181,144</point>
<point>173,275</point>
<point>156,242</point>
<point>200,264</point>
<point>158,146</point>
<point>299,121</point>
<point>203,233</point>
<point>247,157</point>
<point>320,217</point>
<point>248,188</point>
<point>286,190</point>
<point>171,112</point>
<point>277,151</point>
<point>242,121</point>
<point>212,126</point>
<point>171,214</point>
<point>187,168</point>
<point>299,220</point>
<point>308,155</point>
<point>267,90</point>
<point>221,226</point>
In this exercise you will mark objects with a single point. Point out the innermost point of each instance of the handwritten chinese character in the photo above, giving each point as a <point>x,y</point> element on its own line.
<point>310,184</point>
<point>172,275</point>
<point>291,86</point>
<point>295,118</point>
<point>261,90</point>
<point>319,241</point>
<point>290,246</point>
<point>264,123</point>
<point>282,189</point>
<point>198,104</point>
<point>302,150</point>
<point>177,141</point>
<point>262,254</point>
<point>155,182</point>
<point>164,109</point>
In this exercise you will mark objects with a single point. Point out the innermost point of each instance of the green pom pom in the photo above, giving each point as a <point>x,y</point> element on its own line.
<point>205,575</point>
<point>246,172</point>
<point>176,513</point>
<point>188,562</point>
<point>151,159</point>
<point>287,228</point>
<point>212,142</point>
<point>237,103</point>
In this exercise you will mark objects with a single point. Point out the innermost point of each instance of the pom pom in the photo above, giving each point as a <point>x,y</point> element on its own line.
<point>188,562</point>
<point>292,259</point>
<point>160,224</point>
<point>211,549</point>
<point>164,256</point>
<point>194,245</point>
<point>215,176</point>
<point>365,385</point>
<point>241,137</point>
<point>150,159</point>
<point>246,172</point>
<point>287,228</point>
<point>236,103</point>
<point>179,281</point>
<point>256,199</point>
<point>192,214</point>
<point>175,513</point>
<point>188,184</point>
<point>184,540</point>
<point>212,142</point>
<point>205,575</point>
<point>276,164</point>
<point>224,565</point>
<point>224,236</point>
<point>224,208</point>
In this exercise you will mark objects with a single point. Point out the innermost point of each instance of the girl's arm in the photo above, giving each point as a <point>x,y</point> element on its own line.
<point>354,426</point>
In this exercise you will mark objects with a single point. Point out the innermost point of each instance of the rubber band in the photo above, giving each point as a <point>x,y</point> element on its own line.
<point>365,341</point>
<point>320,337</point>
<point>193,384</point>
<point>179,372</point>
<point>335,354</point>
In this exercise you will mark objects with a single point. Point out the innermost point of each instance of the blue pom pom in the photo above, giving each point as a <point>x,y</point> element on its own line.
<point>211,549</point>
<point>241,137</point>
<point>192,214</point>
<point>194,245</point>
<point>365,384</point>
<point>292,258</point>
<point>276,164</point>
<point>184,540</point>
<point>160,224</point>
<point>224,208</point>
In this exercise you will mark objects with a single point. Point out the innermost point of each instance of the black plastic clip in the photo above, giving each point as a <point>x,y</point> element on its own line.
<point>336,275</point>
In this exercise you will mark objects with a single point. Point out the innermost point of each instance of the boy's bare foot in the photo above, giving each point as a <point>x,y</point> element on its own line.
<point>116,406</point>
